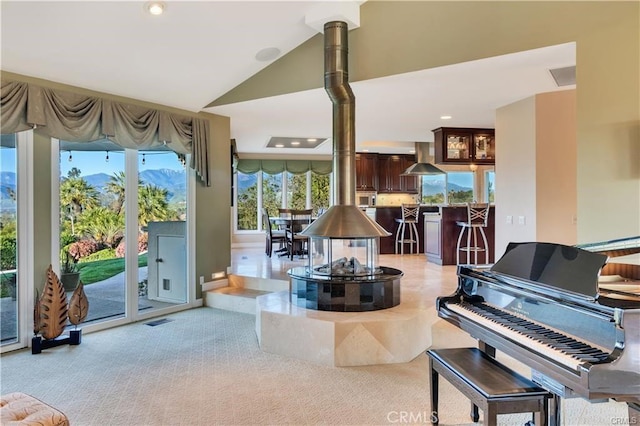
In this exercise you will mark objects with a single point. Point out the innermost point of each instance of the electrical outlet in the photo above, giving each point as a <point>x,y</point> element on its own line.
<point>202,280</point>
<point>521,220</point>
<point>509,220</point>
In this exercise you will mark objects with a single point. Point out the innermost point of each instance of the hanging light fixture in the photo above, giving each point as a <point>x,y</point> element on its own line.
<point>107,157</point>
<point>70,157</point>
<point>143,160</point>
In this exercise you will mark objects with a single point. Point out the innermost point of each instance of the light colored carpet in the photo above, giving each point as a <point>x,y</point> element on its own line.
<point>205,368</point>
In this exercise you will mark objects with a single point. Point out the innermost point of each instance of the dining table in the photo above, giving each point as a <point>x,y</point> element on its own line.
<point>287,224</point>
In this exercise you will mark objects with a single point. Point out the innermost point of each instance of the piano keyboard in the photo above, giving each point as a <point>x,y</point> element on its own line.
<point>564,349</point>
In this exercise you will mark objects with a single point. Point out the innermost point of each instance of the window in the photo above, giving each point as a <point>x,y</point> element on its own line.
<point>295,191</point>
<point>9,239</point>
<point>271,194</point>
<point>320,189</point>
<point>247,202</point>
<point>490,186</point>
<point>460,187</point>
<point>452,188</point>
<point>433,189</point>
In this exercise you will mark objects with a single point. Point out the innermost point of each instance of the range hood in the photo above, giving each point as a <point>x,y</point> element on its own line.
<point>424,161</point>
<point>344,219</point>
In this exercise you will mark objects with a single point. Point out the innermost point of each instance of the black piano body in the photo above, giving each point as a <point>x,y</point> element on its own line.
<point>541,304</point>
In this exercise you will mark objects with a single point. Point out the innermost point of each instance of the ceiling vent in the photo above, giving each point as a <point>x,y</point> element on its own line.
<point>564,76</point>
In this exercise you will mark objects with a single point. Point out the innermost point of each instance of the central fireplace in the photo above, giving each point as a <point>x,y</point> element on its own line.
<point>343,273</point>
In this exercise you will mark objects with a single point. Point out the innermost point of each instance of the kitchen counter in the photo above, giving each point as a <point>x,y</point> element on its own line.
<point>440,234</point>
<point>386,217</point>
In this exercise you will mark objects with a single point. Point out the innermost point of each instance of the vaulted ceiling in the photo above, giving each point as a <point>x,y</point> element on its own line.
<point>197,51</point>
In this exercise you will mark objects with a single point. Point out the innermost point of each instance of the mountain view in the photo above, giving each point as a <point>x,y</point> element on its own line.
<point>172,180</point>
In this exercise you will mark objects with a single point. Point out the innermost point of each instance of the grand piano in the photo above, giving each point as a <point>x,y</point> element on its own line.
<point>542,304</point>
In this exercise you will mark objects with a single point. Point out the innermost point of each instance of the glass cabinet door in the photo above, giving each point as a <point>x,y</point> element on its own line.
<point>484,147</point>
<point>458,146</point>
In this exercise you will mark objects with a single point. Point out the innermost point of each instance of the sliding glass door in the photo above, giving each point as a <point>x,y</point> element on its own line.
<point>9,294</point>
<point>16,240</point>
<point>123,216</point>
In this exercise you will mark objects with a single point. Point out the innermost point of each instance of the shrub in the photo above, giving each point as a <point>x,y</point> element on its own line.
<point>143,245</point>
<point>8,254</point>
<point>83,248</point>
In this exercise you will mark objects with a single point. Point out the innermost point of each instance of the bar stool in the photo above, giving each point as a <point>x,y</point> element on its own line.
<point>410,218</point>
<point>477,218</point>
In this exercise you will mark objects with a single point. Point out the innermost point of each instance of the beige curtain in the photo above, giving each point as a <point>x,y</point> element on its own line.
<point>79,118</point>
<point>273,167</point>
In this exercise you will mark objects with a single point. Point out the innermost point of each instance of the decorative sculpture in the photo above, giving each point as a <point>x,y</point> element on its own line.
<point>51,312</point>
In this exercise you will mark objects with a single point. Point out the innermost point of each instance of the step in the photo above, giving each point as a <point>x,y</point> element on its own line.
<point>240,295</point>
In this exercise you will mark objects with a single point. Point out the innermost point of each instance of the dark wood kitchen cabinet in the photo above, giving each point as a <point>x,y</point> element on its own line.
<point>411,184</point>
<point>366,172</point>
<point>464,145</point>
<point>390,169</point>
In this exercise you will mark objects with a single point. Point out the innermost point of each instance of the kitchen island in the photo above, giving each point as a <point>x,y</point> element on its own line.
<point>440,234</point>
<point>386,217</point>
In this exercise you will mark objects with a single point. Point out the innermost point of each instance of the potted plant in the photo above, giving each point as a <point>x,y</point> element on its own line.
<point>69,274</point>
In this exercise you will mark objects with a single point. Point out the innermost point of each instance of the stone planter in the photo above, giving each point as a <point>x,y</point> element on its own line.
<point>69,280</point>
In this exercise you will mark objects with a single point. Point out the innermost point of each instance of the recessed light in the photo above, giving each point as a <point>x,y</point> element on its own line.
<point>445,117</point>
<point>295,143</point>
<point>279,145</point>
<point>268,54</point>
<point>312,140</point>
<point>365,150</point>
<point>156,8</point>
<point>412,151</point>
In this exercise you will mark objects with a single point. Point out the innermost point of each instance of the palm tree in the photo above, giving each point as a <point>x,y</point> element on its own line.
<point>103,225</point>
<point>115,186</point>
<point>78,195</point>
<point>152,204</point>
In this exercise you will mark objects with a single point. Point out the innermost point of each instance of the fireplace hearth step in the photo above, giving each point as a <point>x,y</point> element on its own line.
<point>240,295</point>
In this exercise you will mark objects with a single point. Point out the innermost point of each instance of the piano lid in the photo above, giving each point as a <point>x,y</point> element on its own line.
<point>562,267</point>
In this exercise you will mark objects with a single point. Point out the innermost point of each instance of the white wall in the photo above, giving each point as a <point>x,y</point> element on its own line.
<point>515,174</point>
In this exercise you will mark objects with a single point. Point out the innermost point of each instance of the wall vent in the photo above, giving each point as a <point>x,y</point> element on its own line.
<point>564,76</point>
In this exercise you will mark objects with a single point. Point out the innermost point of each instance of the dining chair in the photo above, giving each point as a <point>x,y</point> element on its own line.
<point>272,235</point>
<point>297,220</point>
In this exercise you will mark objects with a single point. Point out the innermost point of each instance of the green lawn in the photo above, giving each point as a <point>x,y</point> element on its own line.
<point>99,270</point>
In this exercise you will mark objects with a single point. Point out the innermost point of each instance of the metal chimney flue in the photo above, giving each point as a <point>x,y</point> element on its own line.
<point>344,219</point>
<point>336,83</point>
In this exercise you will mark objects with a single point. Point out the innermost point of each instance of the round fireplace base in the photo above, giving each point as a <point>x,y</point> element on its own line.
<point>345,293</point>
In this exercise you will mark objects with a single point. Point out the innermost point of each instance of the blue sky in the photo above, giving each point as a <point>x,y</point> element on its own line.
<point>93,162</point>
<point>7,160</point>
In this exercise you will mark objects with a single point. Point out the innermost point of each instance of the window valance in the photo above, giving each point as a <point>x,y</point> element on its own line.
<point>80,118</point>
<point>273,167</point>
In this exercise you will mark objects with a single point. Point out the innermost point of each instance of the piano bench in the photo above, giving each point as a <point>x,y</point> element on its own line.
<point>488,384</point>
